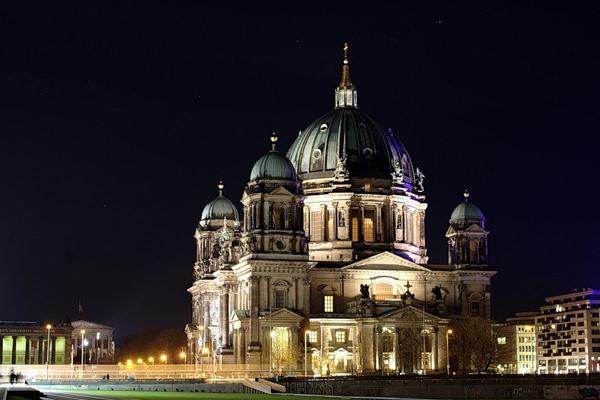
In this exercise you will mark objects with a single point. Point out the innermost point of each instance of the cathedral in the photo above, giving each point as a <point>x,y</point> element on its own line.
<point>326,270</point>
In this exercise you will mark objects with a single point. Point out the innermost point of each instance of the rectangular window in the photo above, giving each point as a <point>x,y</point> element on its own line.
<point>312,336</point>
<point>369,226</point>
<point>279,298</point>
<point>355,229</point>
<point>7,343</point>
<point>340,336</point>
<point>316,226</point>
<point>328,303</point>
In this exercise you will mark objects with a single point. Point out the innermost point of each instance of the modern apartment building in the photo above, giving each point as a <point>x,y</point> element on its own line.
<point>568,333</point>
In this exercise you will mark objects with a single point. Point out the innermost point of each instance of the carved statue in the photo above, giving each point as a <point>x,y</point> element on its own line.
<point>398,173</point>
<point>364,291</point>
<point>438,293</point>
<point>420,181</point>
<point>216,253</point>
<point>341,171</point>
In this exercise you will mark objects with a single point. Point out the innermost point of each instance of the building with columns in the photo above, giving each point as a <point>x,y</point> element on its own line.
<point>327,268</point>
<point>26,342</point>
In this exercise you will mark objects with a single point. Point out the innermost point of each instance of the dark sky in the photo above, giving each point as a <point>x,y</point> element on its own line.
<point>117,120</point>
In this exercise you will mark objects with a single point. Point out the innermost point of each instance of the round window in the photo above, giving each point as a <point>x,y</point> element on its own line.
<point>316,153</point>
<point>280,244</point>
<point>368,152</point>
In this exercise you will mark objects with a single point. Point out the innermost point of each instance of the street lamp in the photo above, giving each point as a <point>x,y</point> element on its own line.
<point>48,327</point>
<point>448,332</point>
<point>97,348</point>
<point>82,350</point>
<point>151,360</point>
<point>163,358</point>
<point>182,355</point>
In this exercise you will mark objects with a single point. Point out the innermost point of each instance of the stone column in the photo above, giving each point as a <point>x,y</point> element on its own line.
<point>361,224</point>
<point>242,344</point>
<point>14,350</point>
<point>254,296</point>
<point>306,296</point>
<point>397,347</point>
<point>259,216</point>
<point>53,352</point>
<point>205,331</point>
<point>268,292</point>
<point>297,293</point>
<point>335,221</point>
<point>379,228</point>
<point>348,220</point>
<point>434,350</point>
<point>268,219</point>
<point>324,221</point>
<point>378,350</point>
<point>27,344</point>
<point>422,229</point>
<point>224,306</point>
<point>40,350</point>
<point>307,221</point>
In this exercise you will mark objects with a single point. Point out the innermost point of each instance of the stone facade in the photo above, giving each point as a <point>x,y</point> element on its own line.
<point>327,269</point>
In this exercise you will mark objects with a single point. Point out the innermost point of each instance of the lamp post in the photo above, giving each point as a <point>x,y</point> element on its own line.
<point>448,333</point>
<point>82,356</point>
<point>97,349</point>
<point>48,327</point>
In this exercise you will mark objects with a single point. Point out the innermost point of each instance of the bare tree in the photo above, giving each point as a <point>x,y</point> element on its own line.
<point>475,344</point>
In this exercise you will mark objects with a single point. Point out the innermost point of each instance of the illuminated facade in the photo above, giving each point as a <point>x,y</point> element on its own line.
<point>330,250</point>
<point>27,343</point>
<point>99,346</point>
<point>517,344</point>
<point>568,333</point>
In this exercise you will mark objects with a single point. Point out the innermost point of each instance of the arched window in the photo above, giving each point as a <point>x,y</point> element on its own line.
<point>328,293</point>
<point>383,291</point>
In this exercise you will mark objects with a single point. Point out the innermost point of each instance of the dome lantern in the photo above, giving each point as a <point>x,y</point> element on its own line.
<point>346,94</point>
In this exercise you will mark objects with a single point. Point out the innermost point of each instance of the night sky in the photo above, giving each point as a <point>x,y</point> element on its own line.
<point>118,120</point>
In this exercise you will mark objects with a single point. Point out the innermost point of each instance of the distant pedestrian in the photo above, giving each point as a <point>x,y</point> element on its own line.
<point>13,376</point>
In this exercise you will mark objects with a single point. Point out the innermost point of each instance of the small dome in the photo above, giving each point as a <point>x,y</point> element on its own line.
<point>467,213</point>
<point>221,207</point>
<point>273,165</point>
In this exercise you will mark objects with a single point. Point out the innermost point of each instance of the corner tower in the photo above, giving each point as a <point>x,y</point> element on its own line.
<point>467,237</point>
<point>362,193</point>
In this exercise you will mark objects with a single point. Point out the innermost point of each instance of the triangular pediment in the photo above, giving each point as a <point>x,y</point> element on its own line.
<point>281,191</point>
<point>82,324</point>
<point>283,314</point>
<point>238,315</point>
<point>475,229</point>
<point>409,313</point>
<point>386,261</point>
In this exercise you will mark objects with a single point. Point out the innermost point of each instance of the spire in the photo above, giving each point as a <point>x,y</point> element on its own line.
<point>274,139</point>
<point>220,186</point>
<point>466,195</point>
<point>346,94</point>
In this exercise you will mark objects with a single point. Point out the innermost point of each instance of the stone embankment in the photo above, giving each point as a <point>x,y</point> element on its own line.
<point>493,387</point>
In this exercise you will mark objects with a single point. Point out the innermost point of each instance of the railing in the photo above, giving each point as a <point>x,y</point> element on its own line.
<point>211,372</point>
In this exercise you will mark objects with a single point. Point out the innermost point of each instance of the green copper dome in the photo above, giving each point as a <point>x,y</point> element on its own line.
<point>467,213</point>
<point>273,165</point>
<point>221,207</point>
<point>348,135</point>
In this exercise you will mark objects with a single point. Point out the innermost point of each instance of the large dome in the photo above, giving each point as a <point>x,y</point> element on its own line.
<point>219,208</point>
<point>370,150</point>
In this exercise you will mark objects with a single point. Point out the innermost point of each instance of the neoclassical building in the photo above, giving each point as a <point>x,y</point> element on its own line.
<point>329,258</point>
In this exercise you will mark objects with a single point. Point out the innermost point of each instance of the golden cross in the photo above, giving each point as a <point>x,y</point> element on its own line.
<point>345,51</point>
